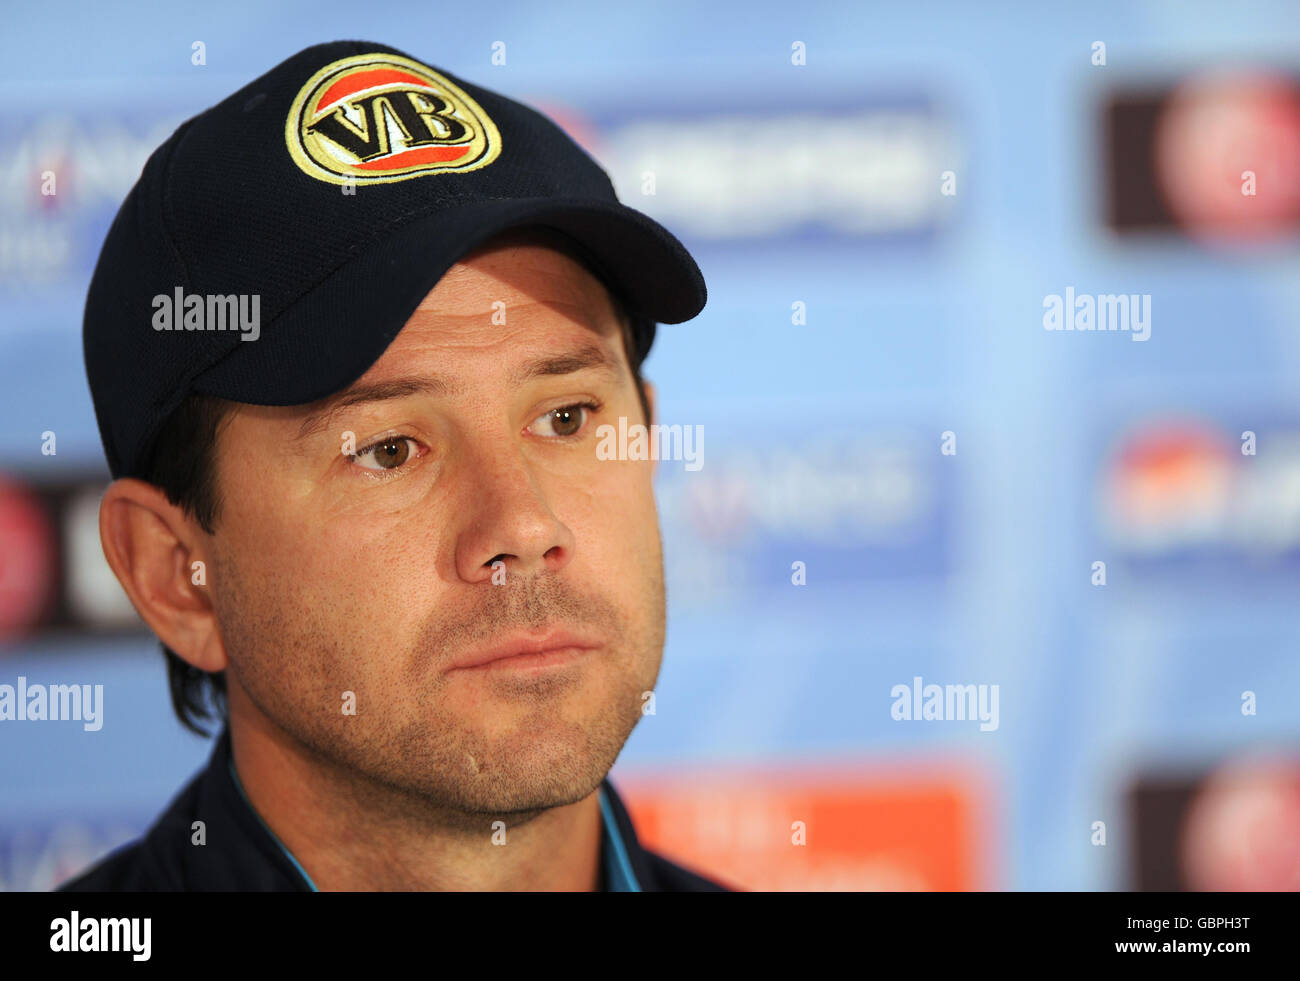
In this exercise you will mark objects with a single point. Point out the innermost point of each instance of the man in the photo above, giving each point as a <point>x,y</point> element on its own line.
<point>349,341</point>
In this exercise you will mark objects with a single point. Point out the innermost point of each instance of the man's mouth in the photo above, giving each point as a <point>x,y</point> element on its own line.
<point>529,651</point>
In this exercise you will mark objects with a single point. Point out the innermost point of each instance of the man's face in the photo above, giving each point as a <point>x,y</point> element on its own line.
<point>372,571</point>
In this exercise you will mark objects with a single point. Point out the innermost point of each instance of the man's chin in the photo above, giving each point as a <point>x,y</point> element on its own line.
<point>531,768</point>
<point>530,793</point>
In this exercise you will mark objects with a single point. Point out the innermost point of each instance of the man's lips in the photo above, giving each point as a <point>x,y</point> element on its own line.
<point>520,650</point>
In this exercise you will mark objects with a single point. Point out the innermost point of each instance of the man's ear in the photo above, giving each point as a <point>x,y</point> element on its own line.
<point>153,546</point>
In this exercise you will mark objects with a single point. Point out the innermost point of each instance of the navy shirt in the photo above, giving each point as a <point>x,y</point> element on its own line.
<point>242,854</point>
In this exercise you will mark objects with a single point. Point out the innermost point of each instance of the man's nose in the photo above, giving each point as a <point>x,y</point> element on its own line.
<point>507,517</point>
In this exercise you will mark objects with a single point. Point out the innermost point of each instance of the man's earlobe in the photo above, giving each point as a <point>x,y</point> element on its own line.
<point>155,551</point>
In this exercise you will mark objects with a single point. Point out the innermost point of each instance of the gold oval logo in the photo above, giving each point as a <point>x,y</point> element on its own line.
<point>379,118</point>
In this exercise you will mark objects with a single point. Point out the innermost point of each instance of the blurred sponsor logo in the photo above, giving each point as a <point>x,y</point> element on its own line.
<point>1242,831</point>
<point>1233,827</point>
<point>1174,490</point>
<point>841,828</point>
<point>1215,157</point>
<point>27,560</point>
<point>38,592</point>
<point>763,174</point>
<point>1227,151</point>
<point>857,507</point>
<point>46,238</point>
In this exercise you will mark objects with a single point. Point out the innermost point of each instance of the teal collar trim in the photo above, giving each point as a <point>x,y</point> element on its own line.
<point>619,876</point>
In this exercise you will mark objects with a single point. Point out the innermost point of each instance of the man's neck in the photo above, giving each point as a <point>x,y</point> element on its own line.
<point>350,833</point>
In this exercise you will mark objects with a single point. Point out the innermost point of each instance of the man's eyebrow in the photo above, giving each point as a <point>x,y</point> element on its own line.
<point>590,356</point>
<point>396,388</point>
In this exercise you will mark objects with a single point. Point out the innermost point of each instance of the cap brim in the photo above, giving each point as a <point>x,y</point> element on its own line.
<point>336,331</point>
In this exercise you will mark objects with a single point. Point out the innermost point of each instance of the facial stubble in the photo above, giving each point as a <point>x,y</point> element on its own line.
<point>424,744</point>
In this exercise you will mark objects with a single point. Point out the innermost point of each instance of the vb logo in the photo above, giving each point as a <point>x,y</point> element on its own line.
<point>378,118</point>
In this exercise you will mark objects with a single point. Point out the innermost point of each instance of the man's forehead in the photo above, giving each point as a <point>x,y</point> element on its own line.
<point>395,379</point>
<point>517,268</point>
<point>510,321</point>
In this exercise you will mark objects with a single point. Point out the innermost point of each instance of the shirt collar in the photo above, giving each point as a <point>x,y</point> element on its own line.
<point>265,827</point>
<point>618,875</point>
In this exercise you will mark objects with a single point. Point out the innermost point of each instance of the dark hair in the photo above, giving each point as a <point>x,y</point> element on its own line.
<point>181,462</point>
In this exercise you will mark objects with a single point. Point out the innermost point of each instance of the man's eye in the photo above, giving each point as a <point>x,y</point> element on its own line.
<point>387,454</point>
<point>565,421</point>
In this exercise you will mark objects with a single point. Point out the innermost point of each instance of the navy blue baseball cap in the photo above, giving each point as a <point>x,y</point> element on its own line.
<point>336,189</point>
